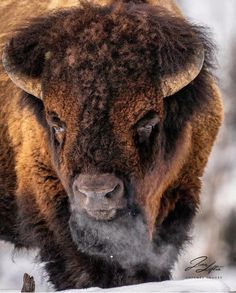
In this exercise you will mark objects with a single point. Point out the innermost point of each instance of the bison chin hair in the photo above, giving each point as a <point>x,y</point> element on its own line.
<point>124,242</point>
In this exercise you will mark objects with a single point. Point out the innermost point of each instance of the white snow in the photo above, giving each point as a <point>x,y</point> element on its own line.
<point>191,285</point>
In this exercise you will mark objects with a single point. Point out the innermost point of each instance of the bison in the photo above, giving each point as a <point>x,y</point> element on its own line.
<point>108,116</point>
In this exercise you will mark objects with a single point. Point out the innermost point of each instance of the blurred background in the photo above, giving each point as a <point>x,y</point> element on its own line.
<point>214,232</point>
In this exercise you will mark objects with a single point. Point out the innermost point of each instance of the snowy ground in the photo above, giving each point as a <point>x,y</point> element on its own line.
<point>13,265</point>
<point>192,285</point>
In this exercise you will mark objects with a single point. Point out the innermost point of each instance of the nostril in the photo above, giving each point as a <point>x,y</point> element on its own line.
<point>78,191</point>
<point>110,194</point>
<point>83,193</point>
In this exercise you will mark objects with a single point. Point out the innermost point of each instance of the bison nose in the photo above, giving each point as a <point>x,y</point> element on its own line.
<point>107,192</point>
<point>100,195</point>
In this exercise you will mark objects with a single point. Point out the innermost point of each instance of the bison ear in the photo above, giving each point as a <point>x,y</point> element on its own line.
<point>173,83</point>
<point>23,60</point>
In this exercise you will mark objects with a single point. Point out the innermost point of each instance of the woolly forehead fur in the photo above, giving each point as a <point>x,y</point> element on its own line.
<point>125,45</point>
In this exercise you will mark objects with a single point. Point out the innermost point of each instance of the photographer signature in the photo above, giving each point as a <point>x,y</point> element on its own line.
<point>200,264</point>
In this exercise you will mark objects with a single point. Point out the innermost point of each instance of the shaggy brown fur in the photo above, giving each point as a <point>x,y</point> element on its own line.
<point>101,68</point>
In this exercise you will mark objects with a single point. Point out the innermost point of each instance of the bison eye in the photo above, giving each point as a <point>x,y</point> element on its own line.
<point>57,127</point>
<point>146,126</point>
<point>59,132</point>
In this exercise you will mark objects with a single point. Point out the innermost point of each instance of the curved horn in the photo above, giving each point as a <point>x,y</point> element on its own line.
<point>172,84</point>
<point>26,83</point>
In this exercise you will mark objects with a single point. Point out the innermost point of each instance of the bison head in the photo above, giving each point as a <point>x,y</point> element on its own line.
<point>112,86</point>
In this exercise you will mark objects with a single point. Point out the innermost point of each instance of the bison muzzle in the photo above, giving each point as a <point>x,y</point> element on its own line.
<point>99,195</point>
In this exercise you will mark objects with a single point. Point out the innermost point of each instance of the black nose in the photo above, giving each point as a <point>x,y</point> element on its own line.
<point>101,193</point>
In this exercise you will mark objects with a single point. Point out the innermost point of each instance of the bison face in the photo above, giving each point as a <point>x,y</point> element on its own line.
<point>108,82</point>
<point>100,147</point>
